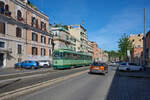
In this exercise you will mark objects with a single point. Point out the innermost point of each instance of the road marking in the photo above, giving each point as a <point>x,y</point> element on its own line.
<point>27,89</point>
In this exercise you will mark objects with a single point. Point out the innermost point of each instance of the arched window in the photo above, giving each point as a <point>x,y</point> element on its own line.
<point>7,7</point>
<point>2,5</point>
<point>18,32</point>
<point>19,15</point>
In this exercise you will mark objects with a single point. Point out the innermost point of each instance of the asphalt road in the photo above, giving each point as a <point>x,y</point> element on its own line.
<point>84,87</point>
<point>24,81</point>
<point>113,86</point>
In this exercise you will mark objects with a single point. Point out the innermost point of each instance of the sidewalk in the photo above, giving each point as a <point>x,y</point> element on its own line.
<point>7,71</point>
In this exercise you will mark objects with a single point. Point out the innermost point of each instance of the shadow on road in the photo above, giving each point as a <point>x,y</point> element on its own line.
<point>113,93</point>
<point>125,87</point>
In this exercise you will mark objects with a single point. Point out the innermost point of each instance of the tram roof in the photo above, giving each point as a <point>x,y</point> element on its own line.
<point>69,51</point>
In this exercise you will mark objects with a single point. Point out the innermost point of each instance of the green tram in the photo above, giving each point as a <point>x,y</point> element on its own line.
<point>67,59</point>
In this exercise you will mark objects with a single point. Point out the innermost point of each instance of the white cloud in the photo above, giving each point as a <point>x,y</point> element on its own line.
<point>128,21</point>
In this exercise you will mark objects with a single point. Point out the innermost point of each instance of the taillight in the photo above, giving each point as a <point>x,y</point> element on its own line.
<point>102,67</point>
<point>91,67</point>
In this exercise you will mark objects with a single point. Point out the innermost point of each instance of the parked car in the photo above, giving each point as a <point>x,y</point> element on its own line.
<point>97,67</point>
<point>44,63</point>
<point>18,65</point>
<point>125,66</point>
<point>28,64</point>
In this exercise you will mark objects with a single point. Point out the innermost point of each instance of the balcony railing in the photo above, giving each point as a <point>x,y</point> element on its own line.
<point>6,12</point>
<point>20,18</point>
<point>12,21</point>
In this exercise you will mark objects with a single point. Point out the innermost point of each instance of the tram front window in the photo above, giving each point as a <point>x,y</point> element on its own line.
<point>57,55</point>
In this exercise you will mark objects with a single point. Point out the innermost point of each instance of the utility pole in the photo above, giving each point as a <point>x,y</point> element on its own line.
<point>144,36</point>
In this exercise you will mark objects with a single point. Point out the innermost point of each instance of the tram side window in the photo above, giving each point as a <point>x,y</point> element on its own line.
<point>83,57</point>
<point>72,56</point>
<point>78,56</point>
<point>56,55</point>
<point>67,56</point>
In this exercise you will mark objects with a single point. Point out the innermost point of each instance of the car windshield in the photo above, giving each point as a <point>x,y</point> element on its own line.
<point>98,64</point>
<point>133,64</point>
<point>123,64</point>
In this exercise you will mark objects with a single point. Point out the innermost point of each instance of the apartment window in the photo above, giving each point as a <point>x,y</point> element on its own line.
<point>49,41</point>
<point>139,46</point>
<point>133,40</point>
<point>18,32</point>
<point>19,49</point>
<point>34,37</point>
<point>2,44</point>
<point>43,52</point>
<point>2,27</point>
<point>45,26</point>
<point>37,24</point>
<point>43,39</point>
<point>33,21</point>
<point>42,25</point>
<point>2,7</point>
<point>7,7</point>
<point>50,53</point>
<point>19,15</point>
<point>34,51</point>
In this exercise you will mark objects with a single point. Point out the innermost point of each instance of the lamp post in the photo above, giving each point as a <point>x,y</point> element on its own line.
<point>144,37</point>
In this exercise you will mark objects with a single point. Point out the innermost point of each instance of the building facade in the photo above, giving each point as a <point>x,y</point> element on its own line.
<point>90,48</point>
<point>147,49</point>
<point>22,29</point>
<point>137,42</point>
<point>96,53</point>
<point>79,32</point>
<point>63,39</point>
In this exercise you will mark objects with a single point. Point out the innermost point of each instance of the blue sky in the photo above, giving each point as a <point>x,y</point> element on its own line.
<point>105,20</point>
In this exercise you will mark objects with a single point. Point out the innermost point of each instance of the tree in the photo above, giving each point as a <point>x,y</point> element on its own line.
<point>113,55</point>
<point>124,45</point>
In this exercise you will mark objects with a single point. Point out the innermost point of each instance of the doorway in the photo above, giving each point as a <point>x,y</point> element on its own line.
<point>1,60</point>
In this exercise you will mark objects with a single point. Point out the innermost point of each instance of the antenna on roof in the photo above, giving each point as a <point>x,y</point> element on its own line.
<point>83,23</point>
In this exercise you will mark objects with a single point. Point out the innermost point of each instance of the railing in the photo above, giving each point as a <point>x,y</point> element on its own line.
<point>12,21</point>
<point>6,12</point>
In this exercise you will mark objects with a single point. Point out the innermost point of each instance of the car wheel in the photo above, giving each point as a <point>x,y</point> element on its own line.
<point>140,69</point>
<point>32,67</point>
<point>128,69</point>
<point>45,66</point>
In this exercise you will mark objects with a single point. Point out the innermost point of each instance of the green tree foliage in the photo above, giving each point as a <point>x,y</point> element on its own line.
<point>60,25</point>
<point>124,45</point>
<point>112,55</point>
<point>31,4</point>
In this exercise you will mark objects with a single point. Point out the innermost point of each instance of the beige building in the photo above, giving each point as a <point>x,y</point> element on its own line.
<point>103,56</point>
<point>23,33</point>
<point>63,39</point>
<point>79,32</point>
<point>137,41</point>
<point>90,48</point>
<point>96,52</point>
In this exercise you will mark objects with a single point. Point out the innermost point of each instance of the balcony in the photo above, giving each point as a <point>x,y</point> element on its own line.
<point>20,18</point>
<point>5,12</point>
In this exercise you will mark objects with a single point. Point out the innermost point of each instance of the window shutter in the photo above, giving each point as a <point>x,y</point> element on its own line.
<point>2,27</point>
<point>37,25</point>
